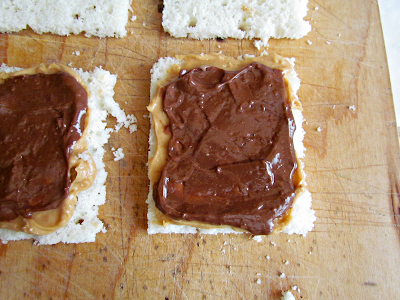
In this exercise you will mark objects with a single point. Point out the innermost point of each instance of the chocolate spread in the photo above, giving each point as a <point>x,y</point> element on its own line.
<point>41,116</point>
<point>230,157</point>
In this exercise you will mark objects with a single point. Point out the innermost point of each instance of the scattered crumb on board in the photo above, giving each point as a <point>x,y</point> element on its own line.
<point>287,296</point>
<point>118,154</point>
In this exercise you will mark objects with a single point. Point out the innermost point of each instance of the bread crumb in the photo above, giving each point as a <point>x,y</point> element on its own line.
<point>287,296</point>
<point>219,46</point>
<point>248,56</point>
<point>294,288</point>
<point>319,129</point>
<point>334,106</point>
<point>77,53</point>
<point>144,24</point>
<point>133,18</point>
<point>257,238</point>
<point>328,42</point>
<point>309,42</point>
<point>268,257</point>
<point>273,243</point>
<point>259,281</point>
<point>258,274</point>
<point>286,262</point>
<point>288,240</point>
<point>118,154</point>
<point>85,156</point>
<point>310,252</point>
<point>69,64</point>
<point>282,275</point>
<point>339,35</point>
<point>316,8</point>
<point>352,107</point>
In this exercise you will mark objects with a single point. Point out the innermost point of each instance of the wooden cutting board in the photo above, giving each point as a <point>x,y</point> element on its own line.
<point>352,162</point>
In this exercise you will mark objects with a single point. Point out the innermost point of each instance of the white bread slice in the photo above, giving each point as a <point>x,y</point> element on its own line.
<point>303,216</point>
<point>84,223</point>
<point>102,18</point>
<point>239,19</point>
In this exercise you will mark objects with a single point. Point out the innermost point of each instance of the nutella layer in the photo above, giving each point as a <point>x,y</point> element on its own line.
<point>43,116</point>
<point>229,158</point>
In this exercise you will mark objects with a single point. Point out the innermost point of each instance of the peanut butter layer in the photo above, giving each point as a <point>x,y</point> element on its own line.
<point>43,114</point>
<point>230,157</point>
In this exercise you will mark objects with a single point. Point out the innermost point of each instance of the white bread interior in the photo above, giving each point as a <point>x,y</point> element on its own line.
<point>239,19</point>
<point>102,18</point>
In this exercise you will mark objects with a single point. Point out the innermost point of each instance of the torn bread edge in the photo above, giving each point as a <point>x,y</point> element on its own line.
<point>84,223</point>
<point>302,216</point>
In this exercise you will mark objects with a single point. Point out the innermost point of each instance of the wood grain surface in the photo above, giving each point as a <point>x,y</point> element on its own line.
<point>352,165</point>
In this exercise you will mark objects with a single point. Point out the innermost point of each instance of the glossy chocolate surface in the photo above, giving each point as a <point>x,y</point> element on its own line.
<point>230,158</point>
<point>41,116</point>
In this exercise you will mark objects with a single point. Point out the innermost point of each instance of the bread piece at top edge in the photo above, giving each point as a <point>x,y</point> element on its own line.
<point>239,19</point>
<point>106,18</point>
<point>303,216</point>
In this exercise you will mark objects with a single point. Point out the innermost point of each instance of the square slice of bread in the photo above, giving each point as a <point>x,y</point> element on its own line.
<point>302,216</point>
<point>239,19</point>
<point>84,223</point>
<point>102,18</point>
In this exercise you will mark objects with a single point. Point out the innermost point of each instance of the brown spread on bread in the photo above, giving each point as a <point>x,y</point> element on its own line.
<point>224,154</point>
<point>43,117</point>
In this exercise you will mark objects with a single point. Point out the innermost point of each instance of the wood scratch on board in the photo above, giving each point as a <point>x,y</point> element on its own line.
<point>232,284</point>
<point>358,182</point>
<point>115,254</point>
<point>53,280</point>
<point>71,263</point>
<point>18,287</point>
